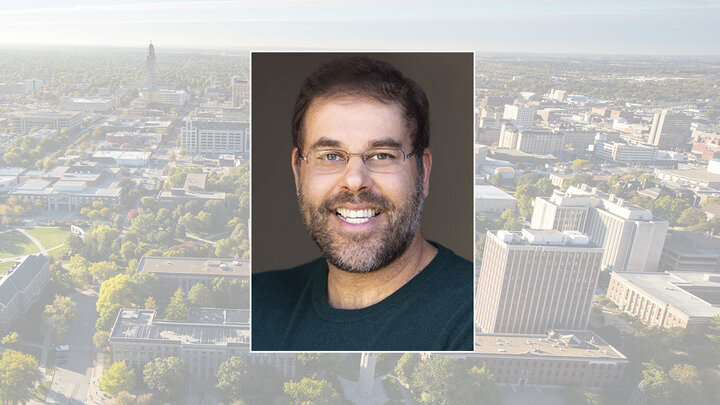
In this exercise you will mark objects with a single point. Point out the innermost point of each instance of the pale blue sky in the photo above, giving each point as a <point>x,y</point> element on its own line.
<point>544,26</point>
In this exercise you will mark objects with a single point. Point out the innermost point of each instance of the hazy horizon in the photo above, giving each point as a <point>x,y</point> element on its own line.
<point>664,27</point>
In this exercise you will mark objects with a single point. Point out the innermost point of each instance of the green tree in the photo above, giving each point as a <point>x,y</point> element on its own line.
<point>234,377</point>
<point>435,381</point>
<point>117,377</point>
<point>406,366</point>
<point>199,296</point>
<point>657,384</point>
<point>178,307</point>
<point>19,375</point>
<point>101,340</point>
<point>480,383</point>
<point>692,216</point>
<point>59,315</point>
<point>166,376</point>
<point>509,221</point>
<point>579,164</point>
<point>311,391</point>
<point>102,271</point>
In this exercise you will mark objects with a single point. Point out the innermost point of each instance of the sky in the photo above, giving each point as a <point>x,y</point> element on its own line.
<point>659,27</point>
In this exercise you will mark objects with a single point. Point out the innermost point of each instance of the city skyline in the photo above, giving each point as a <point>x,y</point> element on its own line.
<point>639,27</point>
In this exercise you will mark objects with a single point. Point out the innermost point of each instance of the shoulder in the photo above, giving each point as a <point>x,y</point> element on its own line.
<point>283,283</point>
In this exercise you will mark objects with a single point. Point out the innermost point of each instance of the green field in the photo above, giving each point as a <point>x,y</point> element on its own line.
<point>49,237</point>
<point>5,266</point>
<point>13,243</point>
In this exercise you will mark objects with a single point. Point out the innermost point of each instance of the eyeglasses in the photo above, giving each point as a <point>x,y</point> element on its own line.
<point>380,160</point>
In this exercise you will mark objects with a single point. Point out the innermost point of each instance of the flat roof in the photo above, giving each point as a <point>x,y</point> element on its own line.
<point>668,287</point>
<point>695,174</point>
<point>491,192</point>
<point>558,344</point>
<point>195,266</point>
<point>205,195</point>
<point>141,324</point>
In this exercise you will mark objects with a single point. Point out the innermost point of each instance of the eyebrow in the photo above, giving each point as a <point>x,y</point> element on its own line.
<point>378,143</point>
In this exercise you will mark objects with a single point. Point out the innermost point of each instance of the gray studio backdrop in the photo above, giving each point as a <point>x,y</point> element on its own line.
<point>279,239</point>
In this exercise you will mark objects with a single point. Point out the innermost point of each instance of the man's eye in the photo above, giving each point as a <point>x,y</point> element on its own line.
<point>330,157</point>
<point>381,156</point>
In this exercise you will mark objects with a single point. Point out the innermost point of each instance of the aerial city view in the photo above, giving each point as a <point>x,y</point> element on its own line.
<point>125,230</point>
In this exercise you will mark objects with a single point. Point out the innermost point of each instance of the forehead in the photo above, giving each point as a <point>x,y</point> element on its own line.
<point>355,124</point>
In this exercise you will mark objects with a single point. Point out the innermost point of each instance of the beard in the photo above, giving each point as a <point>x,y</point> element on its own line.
<point>363,251</point>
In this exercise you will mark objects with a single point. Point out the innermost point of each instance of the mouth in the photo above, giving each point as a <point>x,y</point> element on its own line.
<point>356,216</point>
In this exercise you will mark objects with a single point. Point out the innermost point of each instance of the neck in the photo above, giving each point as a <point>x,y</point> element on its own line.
<point>359,290</point>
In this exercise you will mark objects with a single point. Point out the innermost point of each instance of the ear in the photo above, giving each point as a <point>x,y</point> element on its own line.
<point>427,165</point>
<point>295,168</point>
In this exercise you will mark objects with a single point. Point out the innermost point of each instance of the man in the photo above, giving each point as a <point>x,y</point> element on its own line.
<point>362,168</point>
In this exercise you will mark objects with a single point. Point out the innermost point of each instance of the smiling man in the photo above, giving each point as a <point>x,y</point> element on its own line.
<point>362,168</point>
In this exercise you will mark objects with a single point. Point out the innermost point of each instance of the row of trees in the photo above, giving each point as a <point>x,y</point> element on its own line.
<point>444,380</point>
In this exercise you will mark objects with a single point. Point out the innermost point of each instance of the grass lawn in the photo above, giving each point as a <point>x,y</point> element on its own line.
<point>14,243</point>
<point>5,266</point>
<point>49,237</point>
<point>57,252</point>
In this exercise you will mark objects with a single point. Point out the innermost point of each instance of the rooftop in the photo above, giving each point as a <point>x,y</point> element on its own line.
<point>671,289</point>
<point>20,277</point>
<point>487,191</point>
<point>195,266</point>
<point>215,327</point>
<point>582,344</point>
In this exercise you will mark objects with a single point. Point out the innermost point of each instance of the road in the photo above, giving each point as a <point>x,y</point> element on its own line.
<point>75,382</point>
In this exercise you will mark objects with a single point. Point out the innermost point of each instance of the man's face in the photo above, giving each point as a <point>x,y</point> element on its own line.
<point>361,220</point>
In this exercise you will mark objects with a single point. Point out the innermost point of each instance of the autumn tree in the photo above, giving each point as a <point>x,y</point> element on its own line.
<point>19,374</point>
<point>59,315</point>
<point>117,377</point>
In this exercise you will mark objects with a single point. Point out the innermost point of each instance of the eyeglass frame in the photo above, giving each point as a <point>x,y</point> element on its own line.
<point>364,156</point>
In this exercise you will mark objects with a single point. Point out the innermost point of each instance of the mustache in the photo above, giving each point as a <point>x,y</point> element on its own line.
<point>365,196</point>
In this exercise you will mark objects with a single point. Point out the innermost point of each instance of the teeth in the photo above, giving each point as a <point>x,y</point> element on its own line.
<point>353,216</point>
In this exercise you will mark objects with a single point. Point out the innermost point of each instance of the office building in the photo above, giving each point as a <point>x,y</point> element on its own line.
<point>240,91</point>
<point>199,135</point>
<point>521,117</point>
<point>670,130</point>
<point>686,251</point>
<point>535,281</point>
<point>678,299</point>
<point>631,236</point>
<point>624,153</point>
<point>24,121</point>
<point>151,68</point>
<point>536,141</point>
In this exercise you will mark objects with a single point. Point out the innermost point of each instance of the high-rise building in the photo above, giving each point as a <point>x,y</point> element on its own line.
<point>536,281</point>
<point>670,130</point>
<point>631,236</point>
<point>521,117</point>
<point>150,68</point>
<point>212,136</point>
<point>240,91</point>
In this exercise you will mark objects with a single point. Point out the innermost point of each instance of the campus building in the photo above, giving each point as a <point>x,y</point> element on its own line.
<point>206,339</point>
<point>535,281</point>
<point>185,272</point>
<point>686,251</point>
<point>21,287</point>
<point>679,299</point>
<point>631,236</point>
<point>555,359</point>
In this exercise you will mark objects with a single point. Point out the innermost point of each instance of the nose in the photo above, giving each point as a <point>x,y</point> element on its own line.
<point>356,176</point>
